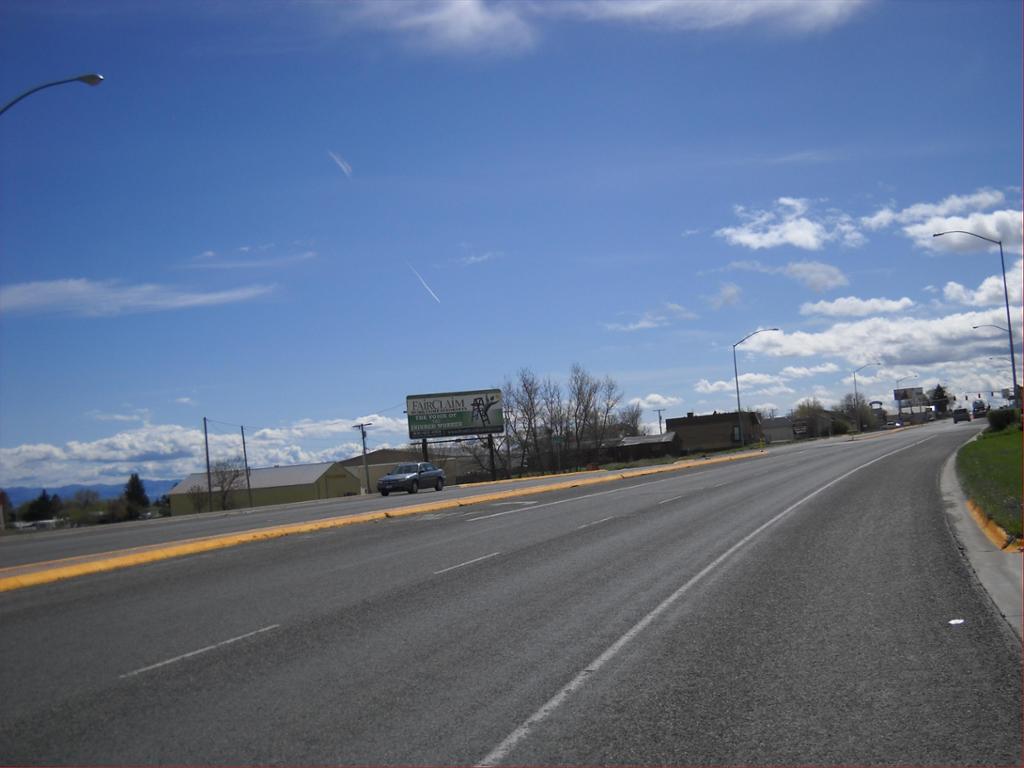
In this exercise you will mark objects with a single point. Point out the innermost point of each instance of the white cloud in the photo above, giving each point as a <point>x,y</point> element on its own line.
<point>746,380</point>
<point>851,306</point>
<point>453,25</point>
<point>184,401</point>
<point>479,258</point>
<point>795,15</point>
<point>801,372</point>
<point>491,26</point>
<point>728,295</point>
<point>990,292</point>
<point>788,224</point>
<point>170,451</point>
<point>91,298</point>
<point>983,198</point>
<point>660,317</point>
<point>816,275</point>
<point>911,341</point>
<point>1007,226</point>
<point>654,400</point>
<point>212,262</point>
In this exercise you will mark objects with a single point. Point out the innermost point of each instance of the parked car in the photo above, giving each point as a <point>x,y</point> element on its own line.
<point>411,477</point>
<point>961,414</point>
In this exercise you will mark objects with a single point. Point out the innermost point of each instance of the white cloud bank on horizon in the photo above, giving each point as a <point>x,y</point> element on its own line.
<point>104,298</point>
<point>172,451</point>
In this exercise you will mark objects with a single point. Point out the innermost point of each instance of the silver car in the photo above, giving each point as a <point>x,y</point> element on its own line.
<point>411,477</point>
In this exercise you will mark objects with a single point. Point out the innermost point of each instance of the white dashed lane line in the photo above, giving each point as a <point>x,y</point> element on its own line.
<point>468,562</point>
<point>197,652</point>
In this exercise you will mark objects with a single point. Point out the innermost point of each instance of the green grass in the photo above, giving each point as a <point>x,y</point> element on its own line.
<point>990,471</point>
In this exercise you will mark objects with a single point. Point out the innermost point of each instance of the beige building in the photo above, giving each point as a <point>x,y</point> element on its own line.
<point>295,483</point>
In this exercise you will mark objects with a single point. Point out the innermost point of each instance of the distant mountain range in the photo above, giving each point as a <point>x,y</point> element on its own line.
<point>154,489</point>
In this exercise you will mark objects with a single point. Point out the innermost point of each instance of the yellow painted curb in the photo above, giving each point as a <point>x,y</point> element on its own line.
<point>142,556</point>
<point>990,528</point>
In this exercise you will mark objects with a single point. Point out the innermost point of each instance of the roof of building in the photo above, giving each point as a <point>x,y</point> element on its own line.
<point>711,418</point>
<point>383,456</point>
<point>668,437</point>
<point>264,477</point>
<point>777,421</point>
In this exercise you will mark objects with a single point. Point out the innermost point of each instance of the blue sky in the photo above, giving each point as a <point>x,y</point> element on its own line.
<point>232,224</point>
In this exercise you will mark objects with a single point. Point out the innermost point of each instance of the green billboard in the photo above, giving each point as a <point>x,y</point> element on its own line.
<point>453,414</point>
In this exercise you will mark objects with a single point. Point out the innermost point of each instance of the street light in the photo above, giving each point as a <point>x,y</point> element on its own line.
<point>736,373</point>
<point>856,397</point>
<point>899,403</point>
<point>1006,298</point>
<point>90,79</point>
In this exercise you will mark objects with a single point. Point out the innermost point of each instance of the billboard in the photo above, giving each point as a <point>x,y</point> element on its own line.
<point>453,414</point>
<point>907,393</point>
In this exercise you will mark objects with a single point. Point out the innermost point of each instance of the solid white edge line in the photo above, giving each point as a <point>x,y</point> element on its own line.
<point>196,653</point>
<point>501,751</point>
<point>468,562</point>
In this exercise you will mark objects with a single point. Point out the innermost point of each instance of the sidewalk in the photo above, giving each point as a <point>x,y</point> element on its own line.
<point>999,571</point>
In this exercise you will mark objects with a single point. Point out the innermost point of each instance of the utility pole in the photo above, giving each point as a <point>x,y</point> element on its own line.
<point>209,481</point>
<point>659,410</point>
<point>366,468</point>
<point>245,458</point>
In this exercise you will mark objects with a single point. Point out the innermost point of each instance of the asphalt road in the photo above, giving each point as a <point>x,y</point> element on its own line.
<point>810,607</point>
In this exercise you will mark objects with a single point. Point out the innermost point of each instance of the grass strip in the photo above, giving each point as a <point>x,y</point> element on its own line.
<point>990,472</point>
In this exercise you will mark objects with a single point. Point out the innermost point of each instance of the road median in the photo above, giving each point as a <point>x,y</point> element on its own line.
<point>35,574</point>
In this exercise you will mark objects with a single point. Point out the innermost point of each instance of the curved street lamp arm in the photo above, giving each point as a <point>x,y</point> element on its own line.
<point>989,325</point>
<point>965,232</point>
<point>759,330</point>
<point>90,79</point>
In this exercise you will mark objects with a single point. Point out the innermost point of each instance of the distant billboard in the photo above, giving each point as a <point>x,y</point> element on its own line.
<point>453,414</point>
<point>907,393</point>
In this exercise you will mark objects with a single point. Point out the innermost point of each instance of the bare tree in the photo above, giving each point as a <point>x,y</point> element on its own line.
<point>607,399</point>
<point>227,475</point>
<point>554,421</point>
<point>582,399</point>
<point>629,420</point>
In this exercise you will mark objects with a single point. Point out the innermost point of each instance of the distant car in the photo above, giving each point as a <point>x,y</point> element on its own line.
<point>411,477</point>
<point>961,414</point>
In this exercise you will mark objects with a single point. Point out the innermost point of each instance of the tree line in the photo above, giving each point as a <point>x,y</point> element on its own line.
<point>85,507</point>
<point>551,427</point>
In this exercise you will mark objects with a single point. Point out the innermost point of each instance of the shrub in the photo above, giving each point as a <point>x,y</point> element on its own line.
<point>999,420</point>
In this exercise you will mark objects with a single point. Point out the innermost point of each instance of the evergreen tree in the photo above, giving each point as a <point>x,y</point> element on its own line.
<point>41,508</point>
<point>135,495</point>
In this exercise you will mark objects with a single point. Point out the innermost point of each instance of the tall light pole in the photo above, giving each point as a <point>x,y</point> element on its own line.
<point>90,79</point>
<point>736,373</point>
<point>856,397</point>
<point>1006,298</point>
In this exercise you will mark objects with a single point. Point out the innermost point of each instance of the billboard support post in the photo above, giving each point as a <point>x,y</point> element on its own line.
<point>425,456</point>
<point>490,448</point>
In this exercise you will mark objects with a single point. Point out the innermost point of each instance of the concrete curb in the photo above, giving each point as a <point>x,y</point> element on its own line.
<point>1000,570</point>
<point>34,574</point>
